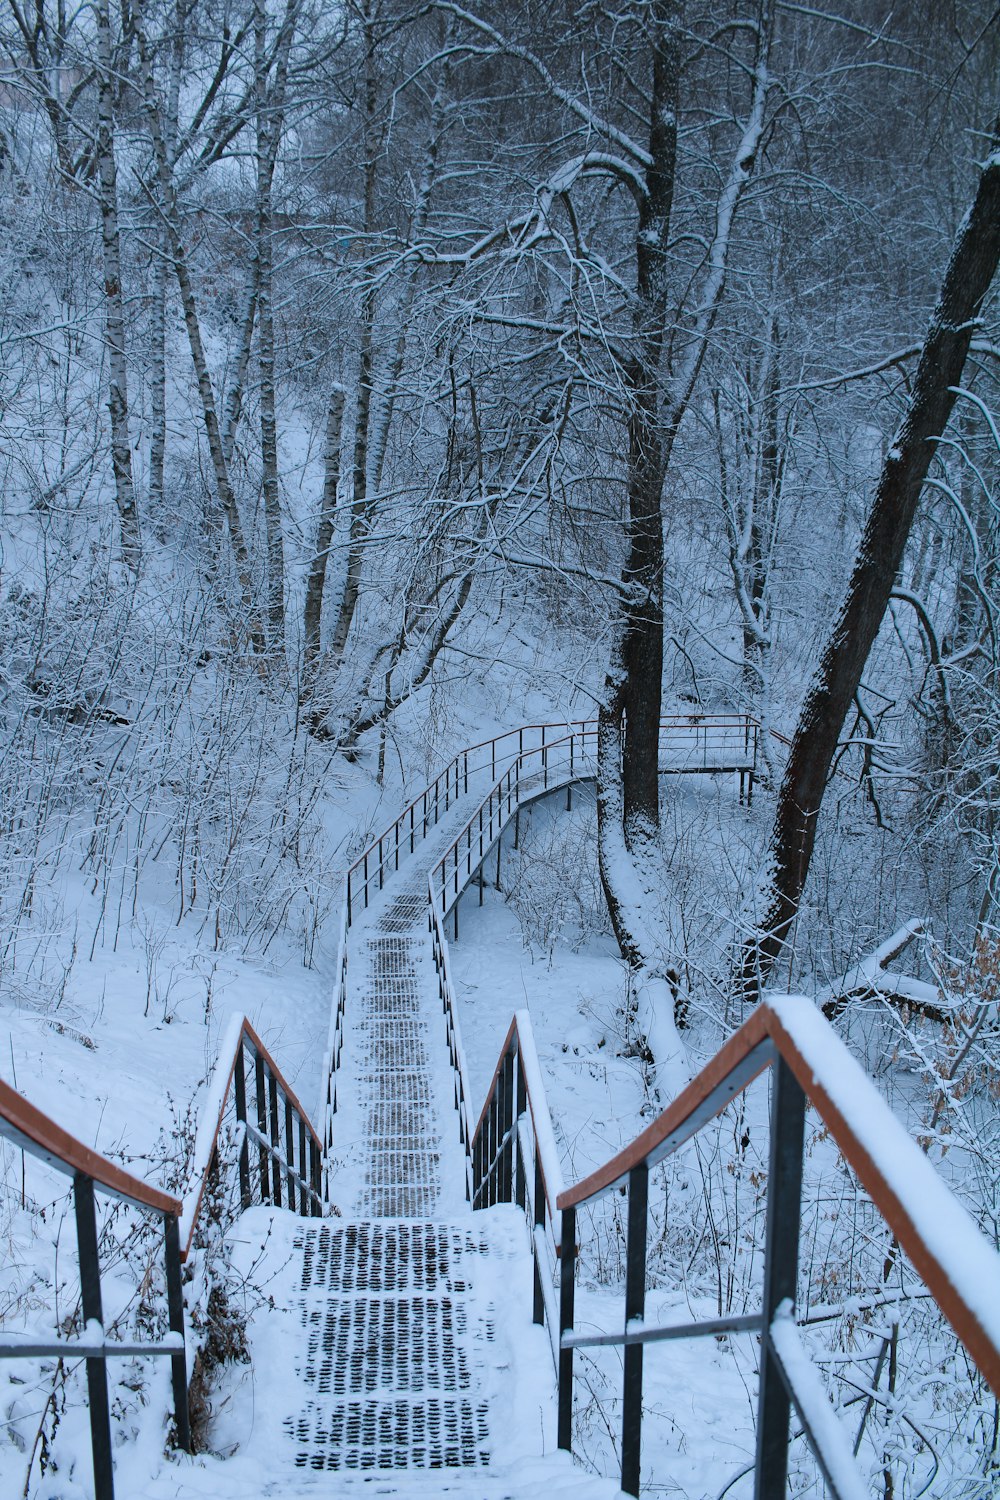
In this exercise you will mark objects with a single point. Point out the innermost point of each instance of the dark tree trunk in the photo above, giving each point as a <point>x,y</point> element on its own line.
<point>967,279</point>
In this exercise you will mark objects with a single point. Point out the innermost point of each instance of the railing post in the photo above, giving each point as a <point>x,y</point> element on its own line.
<point>521,1108</point>
<point>240,1083</point>
<point>538,1310</point>
<point>175,1319</point>
<point>290,1153</point>
<point>567,1297</point>
<point>348,898</point>
<point>272,1089</point>
<point>413,814</point>
<point>465,771</point>
<point>635,1309</point>
<point>316,1178</point>
<point>781,1263</point>
<point>505,1166</point>
<point>303,1170</point>
<point>97,1376</point>
<point>258,1068</point>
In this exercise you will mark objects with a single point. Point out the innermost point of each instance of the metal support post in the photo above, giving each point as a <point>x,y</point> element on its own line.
<point>781,1263</point>
<point>258,1067</point>
<point>97,1377</point>
<point>240,1082</point>
<point>538,1309</point>
<point>175,1318</point>
<point>635,1308</point>
<point>567,1290</point>
<point>275,1141</point>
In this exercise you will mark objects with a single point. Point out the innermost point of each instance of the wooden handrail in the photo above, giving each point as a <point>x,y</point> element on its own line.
<point>27,1126</point>
<point>210,1126</point>
<point>959,1267</point>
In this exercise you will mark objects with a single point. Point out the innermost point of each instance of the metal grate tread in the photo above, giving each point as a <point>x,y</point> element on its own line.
<point>397,1434</point>
<point>391,1348</point>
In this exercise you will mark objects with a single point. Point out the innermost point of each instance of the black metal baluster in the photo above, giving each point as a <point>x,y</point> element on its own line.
<point>538,1306</point>
<point>635,1308</point>
<point>258,1068</point>
<point>240,1083</point>
<point>272,1089</point>
<point>316,1178</point>
<point>567,1297</point>
<point>97,1377</point>
<point>781,1264</point>
<point>303,1169</point>
<point>290,1153</point>
<point>506,1174</point>
<point>175,1319</point>
<point>520,1186</point>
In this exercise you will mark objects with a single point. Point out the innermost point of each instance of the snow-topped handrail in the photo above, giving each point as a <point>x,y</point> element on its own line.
<point>28,1127</point>
<point>275,1160</point>
<point>959,1267</point>
<point>35,1132</point>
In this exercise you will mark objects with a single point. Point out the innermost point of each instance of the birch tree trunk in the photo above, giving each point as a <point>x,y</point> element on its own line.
<point>970,271</point>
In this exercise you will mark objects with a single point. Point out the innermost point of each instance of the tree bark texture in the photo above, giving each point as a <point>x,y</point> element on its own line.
<point>970,270</point>
<point>121,447</point>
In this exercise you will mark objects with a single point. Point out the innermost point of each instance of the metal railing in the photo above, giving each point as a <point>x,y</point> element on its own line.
<point>533,772</point>
<point>279,1154</point>
<point>331,1060</point>
<point>514,1160</point>
<point>708,743</point>
<point>279,1159</point>
<point>961,1270</point>
<point>33,1131</point>
<point>456,1052</point>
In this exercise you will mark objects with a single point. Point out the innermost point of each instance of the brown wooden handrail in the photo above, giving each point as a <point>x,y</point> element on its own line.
<point>27,1126</point>
<point>958,1266</point>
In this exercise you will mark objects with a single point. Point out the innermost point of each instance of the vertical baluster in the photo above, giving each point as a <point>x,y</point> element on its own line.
<point>521,1109</point>
<point>635,1308</point>
<point>303,1169</point>
<point>538,1306</point>
<point>240,1083</point>
<point>506,1163</point>
<point>316,1178</point>
<point>258,1067</point>
<point>97,1376</point>
<point>290,1152</point>
<point>567,1297</point>
<point>272,1089</point>
<point>175,1321</point>
<point>781,1263</point>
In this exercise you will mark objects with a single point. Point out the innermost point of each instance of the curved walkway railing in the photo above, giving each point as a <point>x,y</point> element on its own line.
<point>961,1270</point>
<point>509,770</point>
<point>31,1130</point>
<point>694,743</point>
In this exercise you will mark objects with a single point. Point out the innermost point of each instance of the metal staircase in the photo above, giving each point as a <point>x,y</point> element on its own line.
<point>414,1338</point>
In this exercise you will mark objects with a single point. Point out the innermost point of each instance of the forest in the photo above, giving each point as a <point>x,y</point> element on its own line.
<point>378,376</point>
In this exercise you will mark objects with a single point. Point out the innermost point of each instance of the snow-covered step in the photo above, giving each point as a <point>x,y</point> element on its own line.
<point>387,1346</point>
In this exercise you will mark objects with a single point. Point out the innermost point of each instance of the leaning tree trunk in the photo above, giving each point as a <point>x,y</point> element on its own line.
<point>967,279</point>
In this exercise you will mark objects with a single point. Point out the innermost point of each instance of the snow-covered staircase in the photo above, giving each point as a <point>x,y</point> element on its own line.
<point>394,1345</point>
